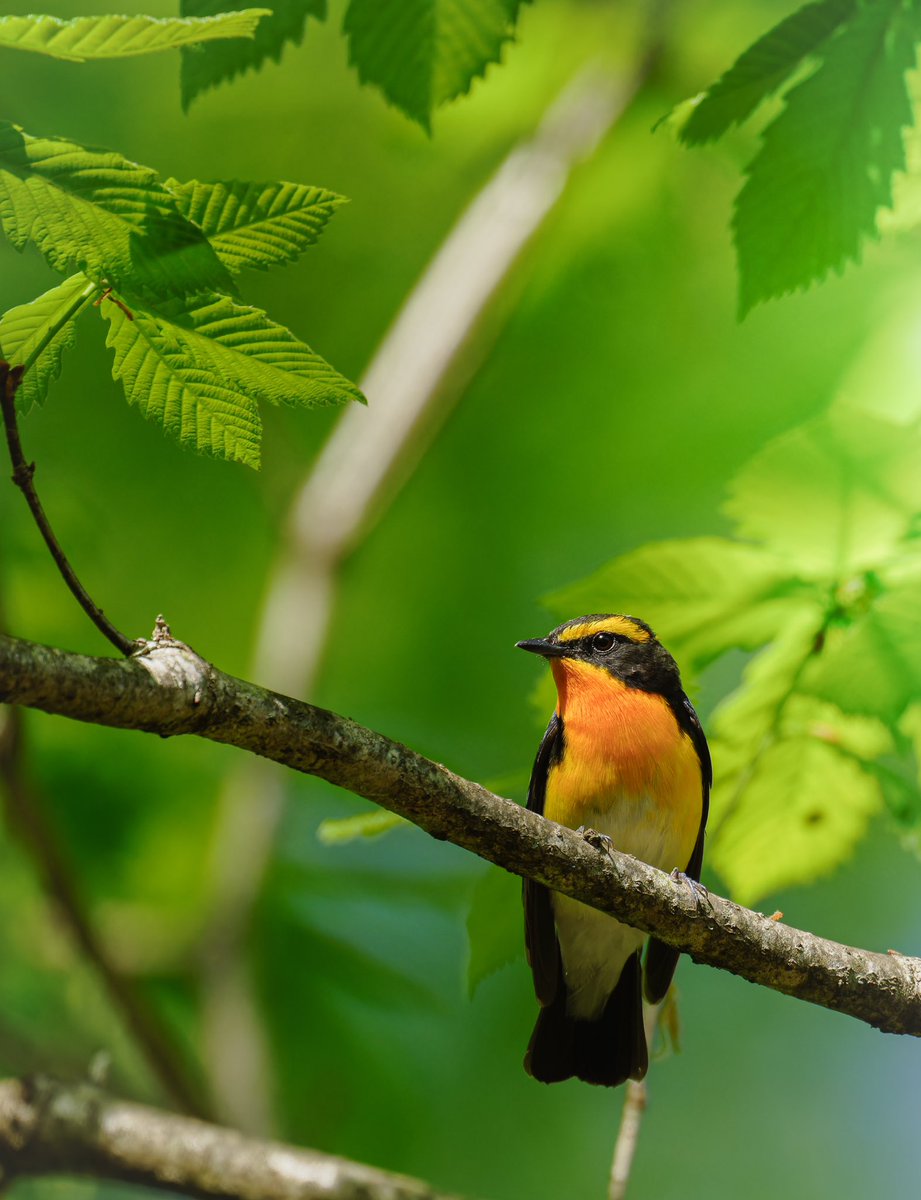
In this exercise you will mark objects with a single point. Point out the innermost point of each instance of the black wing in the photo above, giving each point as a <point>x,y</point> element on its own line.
<point>662,959</point>
<point>539,927</point>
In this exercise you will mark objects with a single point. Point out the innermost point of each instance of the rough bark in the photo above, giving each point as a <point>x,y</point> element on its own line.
<point>50,1128</point>
<point>168,690</point>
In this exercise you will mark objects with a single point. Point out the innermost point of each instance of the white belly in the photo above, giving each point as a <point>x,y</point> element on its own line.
<point>595,946</point>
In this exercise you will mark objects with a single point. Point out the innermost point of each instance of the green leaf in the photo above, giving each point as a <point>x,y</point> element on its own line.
<point>207,66</point>
<point>873,664</point>
<point>37,334</point>
<point>256,224</point>
<point>834,496</point>
<point>800,816</point>
<point>421,53</point>
<point>763,69</point>
<point>201,368</point>
<point>97,211</point>
<point>338,831</point>
<point>494,925</point>
<point>703,596</point>
<point>826,163</point>
<point>121,37</point>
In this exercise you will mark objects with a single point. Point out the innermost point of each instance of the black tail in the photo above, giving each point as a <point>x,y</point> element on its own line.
<point>608,1051</point>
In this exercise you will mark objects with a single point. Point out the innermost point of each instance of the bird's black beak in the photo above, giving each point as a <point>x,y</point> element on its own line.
<point>542,647</point>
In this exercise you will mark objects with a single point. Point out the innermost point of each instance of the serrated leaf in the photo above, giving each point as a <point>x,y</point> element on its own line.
<point>763,69</point>
<point>702,596</point>
<point>202,367</point>
<point>338,831</point>
<point>801,816</point>
<point>421,53</point>
<point>37,334</point>
<point>752,714</point>
<point>494,925</point>
<point>95,210</point>
<point>826,163</point>
<point>207,66</point>
<point>256,224</point>
<point>121,37</point>
<point>873,664</point>
<point>835,495</point>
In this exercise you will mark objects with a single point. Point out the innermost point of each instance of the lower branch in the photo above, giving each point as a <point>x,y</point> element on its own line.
<point>167,689</point>
<point>50,1128</point>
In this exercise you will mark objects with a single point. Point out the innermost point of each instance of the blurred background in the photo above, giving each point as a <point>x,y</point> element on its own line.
<point>606,398</point>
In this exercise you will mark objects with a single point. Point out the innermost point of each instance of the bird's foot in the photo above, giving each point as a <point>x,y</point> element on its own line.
<point>599,841</point>
<point>698,891</point>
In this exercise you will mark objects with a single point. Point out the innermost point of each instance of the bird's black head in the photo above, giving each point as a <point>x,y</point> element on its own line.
<point>624,646</point>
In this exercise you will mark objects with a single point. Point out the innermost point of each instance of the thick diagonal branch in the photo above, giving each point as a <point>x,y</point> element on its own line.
<point>170,690</point>
<point>49,1128</point>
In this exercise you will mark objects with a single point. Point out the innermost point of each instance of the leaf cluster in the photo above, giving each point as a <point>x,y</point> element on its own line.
<point>419,53</point>
<point>820,585</point>
<point>826,161</point>
<point>158,259</point>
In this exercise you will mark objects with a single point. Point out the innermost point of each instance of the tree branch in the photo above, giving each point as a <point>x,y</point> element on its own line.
<point>27,817</point>
<point>167,689</point>
<point>50,1128</point>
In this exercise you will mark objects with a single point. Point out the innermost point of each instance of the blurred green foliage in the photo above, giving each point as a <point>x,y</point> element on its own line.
<point>620,403</point>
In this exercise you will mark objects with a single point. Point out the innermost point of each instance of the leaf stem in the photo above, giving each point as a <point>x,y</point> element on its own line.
<point>10,378</point>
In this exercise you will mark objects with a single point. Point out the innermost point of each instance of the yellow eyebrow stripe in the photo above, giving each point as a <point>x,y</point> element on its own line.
<point>625,626</point>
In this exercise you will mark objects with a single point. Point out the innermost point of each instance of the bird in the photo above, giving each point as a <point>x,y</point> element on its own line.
<point>625,761</point>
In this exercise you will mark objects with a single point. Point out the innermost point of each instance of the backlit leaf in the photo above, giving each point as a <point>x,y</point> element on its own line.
<point>37,334</point>
<point>702,596</point>
<point>421,53</point>
<point>826,163</point>
<point>763,69</point>
<point>201,368</point>
<point>256,224</point>
<point>121,37</point>
<point>800,816</point>
<point>834,496</point>
<point>95,210</point>
<point>205,67</point>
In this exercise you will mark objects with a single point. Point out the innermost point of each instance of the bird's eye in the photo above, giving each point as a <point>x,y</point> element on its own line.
<point>603,641</point>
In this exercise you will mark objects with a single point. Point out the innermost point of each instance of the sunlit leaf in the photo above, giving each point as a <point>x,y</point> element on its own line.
<point>834,496</point>
<point>801,814</point>
<point>256,224</point>
<point>37,335</point>
<point>202,368</point>
<point>338,831</point>
<point>763,69</point>
<point>826,163</point>
<point>421,53</point>
<point>121,37</point>
<point>95,210</point>
<point>494,925</point>
<point>205,67</point>
<point>702,596</point>
<point>873,663</point>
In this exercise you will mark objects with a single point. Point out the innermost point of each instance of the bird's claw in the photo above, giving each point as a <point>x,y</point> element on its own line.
<point>599,841</point>
<point>698,891</point>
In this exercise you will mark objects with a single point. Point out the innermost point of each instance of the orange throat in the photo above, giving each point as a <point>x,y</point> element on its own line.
<point>621,744</point>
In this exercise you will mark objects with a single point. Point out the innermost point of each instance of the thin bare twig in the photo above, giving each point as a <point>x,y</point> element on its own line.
<point>23,472</point>
<point>170,690</point>
<point>51,1128</point>
<point>628,1135</point>
<point>27,818</point>
<point>434,345</point>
